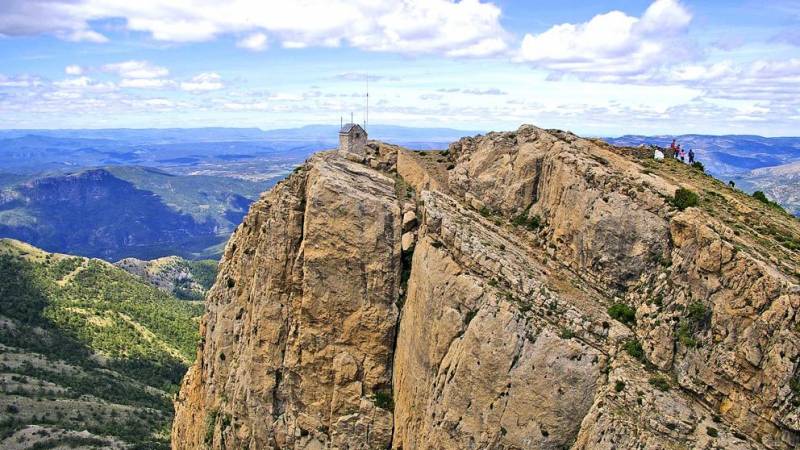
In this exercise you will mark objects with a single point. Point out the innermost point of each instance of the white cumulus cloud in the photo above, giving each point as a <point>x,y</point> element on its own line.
<point>84,83</point>
<point>256,42</point>
<point>22,81</point>
<point>73,69</point>
<point>208,81</point>
<point>136,69</point>
<point>612,44</point>
<point>450,27</point>
<point>146,83</point>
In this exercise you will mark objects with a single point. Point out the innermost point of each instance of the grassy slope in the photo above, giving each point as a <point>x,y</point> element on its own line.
<point>185,279</point>
<point>87,346</point>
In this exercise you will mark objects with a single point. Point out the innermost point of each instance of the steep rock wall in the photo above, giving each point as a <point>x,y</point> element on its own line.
<point>504,337</point>
<point>599,216</point>
<point>299,328</point>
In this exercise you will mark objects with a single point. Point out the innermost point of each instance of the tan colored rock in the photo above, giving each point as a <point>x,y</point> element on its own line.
<point>410,169</point>
<point>408,240</point>
<point>630,412</point>
<point>504,339</point>
<point>599,216</point>
<point>409,220</point>
<point>298,333</point>
<point>476,364</point>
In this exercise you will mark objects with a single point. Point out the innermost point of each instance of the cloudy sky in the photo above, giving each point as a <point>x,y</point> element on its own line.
<point>594,67</point>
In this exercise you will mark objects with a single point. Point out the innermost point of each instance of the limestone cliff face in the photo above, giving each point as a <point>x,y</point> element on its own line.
<point>491,328</point>
<point>299,328</point>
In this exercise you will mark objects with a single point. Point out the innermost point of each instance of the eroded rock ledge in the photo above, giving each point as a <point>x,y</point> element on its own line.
<point>461,299</point>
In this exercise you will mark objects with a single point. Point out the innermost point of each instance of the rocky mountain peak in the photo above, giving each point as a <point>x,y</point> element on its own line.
<point>527,289</point>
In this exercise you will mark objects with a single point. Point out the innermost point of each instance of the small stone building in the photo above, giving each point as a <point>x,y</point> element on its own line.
<point>353,139</point>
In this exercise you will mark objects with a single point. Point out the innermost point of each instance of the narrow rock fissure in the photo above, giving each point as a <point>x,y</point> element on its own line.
<point>406,261</point>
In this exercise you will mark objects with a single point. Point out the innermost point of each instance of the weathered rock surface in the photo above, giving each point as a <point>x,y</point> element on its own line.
<point>299,329</point>
<point>521,242</point>
<point>171,274</point>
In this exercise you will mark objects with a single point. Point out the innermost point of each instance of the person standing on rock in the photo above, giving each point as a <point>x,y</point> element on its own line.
<point>691,156</point>
<point>673,150</point>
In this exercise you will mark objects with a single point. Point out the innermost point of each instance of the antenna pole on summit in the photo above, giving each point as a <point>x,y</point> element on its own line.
<point>341,122</point>
<point>366,116</point>
<point>351,116</point>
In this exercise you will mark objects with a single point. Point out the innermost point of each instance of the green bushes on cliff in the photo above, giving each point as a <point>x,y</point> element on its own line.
<point>760,196</point>
<point>532,223</point>
<point>622,313</point>
<point>685,198</point>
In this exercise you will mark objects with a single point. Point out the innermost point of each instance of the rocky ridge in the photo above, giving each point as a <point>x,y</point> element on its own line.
<point>185,279</point>
<point>527,289</point>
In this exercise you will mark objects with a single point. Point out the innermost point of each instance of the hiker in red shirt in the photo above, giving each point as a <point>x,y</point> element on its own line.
<point>673,152</point>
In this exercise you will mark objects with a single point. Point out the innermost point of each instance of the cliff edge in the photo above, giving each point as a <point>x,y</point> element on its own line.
<point>527,289</point>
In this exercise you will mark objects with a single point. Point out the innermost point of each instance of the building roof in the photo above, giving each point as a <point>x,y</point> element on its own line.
<point>348,127</point>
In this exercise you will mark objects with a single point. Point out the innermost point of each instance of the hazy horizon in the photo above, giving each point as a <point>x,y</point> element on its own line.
<point>611,68</point>
<point>333,126</point>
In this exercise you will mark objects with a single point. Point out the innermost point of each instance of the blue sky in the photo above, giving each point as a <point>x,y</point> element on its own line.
<point>596,68</point>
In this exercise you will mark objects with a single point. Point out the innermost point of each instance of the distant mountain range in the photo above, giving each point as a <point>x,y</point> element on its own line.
<point>148,193</point>
<point>118,212</point>
<point>393,133</point>
<point>30,151</point>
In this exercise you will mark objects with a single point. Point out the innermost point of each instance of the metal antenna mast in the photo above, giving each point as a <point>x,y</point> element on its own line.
<point>366,116</point>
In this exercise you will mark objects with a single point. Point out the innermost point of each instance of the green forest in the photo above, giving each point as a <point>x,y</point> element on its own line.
<point>87,346</point>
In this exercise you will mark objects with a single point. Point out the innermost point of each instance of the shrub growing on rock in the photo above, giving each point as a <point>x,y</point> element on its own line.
<point>684,198</point>
<point>659,382</point>
<point>760,196</point>
<point>622,313</point>
<point>634,348</point>
<point>532,223</point>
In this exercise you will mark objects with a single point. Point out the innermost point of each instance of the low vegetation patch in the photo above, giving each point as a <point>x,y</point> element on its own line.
<point>61,312</point>
<point>685,198</point>
<point>660,382</point>
<point>622,313</point>
<point>211,424</point>
<point>794,384</point>
<point>685,335</point>
<point>697,316</point>
<point>525,220</point>
<point>760,196</point>
<point>634,348</point>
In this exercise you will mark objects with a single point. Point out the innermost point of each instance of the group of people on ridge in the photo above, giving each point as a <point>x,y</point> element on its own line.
<point>679,153</point>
